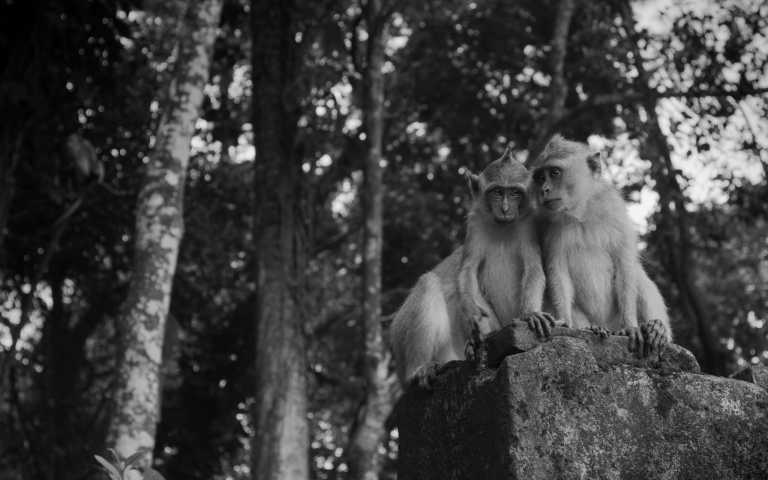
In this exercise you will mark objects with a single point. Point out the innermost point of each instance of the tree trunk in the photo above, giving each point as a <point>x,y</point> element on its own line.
<point>280,444</point>
<point>558,90</point>
<point>369,430</point>
<point>9,160</point>
<point>674,225</point>
<point>159,228</point>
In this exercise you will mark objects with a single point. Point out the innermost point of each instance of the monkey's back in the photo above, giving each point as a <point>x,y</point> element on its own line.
<point>426,327</point>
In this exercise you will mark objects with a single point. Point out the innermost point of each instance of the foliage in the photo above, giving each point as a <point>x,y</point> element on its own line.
<point>463,79</point>
<point>127,469</point>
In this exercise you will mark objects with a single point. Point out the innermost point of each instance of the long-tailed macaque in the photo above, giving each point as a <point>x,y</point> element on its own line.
<point>496,277</point>
<point>594,275</point>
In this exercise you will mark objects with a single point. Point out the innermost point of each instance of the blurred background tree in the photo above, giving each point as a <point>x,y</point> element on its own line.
<point>273,283</point>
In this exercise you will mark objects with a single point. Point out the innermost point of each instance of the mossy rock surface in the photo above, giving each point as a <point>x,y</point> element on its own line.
<point>572,408</point>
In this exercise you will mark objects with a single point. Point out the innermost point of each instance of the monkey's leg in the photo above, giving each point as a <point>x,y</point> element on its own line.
<point>655,334</point>
<point>540,322</point>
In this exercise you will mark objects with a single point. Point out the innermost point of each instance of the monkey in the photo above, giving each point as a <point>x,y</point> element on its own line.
<point>501,251</point>
<point>495,278</point>
<point>589,246</point>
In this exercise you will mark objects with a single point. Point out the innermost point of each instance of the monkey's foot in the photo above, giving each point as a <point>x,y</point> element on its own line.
<point>655,334</point>
<point>425,375</point>
<point>540,322</point>
<point>601,332</point>
<point>636,340</point>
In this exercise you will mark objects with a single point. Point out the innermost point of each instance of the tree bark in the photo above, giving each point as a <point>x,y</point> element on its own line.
<point>9,160</point>
<point>159,228</point>
<point>674,225</point>
<point>369,430</point>
<point>280,444</point>
<point>558,89</point>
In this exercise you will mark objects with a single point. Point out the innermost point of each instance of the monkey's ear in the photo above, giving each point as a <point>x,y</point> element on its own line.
<point>595,163</point>
<point>473,182</point>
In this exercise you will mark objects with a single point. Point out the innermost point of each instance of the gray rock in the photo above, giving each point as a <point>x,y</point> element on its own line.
<point>757,374</point>
<point>612,350</point>
<point>562,411</point>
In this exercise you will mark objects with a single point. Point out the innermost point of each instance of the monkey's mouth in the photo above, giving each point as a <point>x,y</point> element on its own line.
<point>553,203</point>
<point>505,218</point>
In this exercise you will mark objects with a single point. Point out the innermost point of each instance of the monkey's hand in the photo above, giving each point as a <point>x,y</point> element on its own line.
<point>540,322</point>
<point>478,317</point>
<point>655,334</point>
<point>636,339</point>
<point>600,331</point>
<point>425,375</point>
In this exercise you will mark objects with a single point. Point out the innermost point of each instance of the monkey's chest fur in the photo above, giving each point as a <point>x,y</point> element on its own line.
<point>501,278</point>
<point>587,257</point>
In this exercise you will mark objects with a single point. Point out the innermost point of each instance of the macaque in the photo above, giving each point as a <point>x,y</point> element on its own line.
<point>495,278</point>
<point>594,275</point>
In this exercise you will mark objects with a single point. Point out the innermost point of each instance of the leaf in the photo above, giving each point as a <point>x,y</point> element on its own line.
<point>131,473</point>
<point>131,461</point>
<point>152,474</point>
<point>116,460</point>
<point>112,471</point>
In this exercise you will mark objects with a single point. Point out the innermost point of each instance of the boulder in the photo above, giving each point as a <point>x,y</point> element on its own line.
<point>578,407</point>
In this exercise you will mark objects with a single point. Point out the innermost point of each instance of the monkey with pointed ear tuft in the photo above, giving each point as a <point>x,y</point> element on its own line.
<point>493,280</point>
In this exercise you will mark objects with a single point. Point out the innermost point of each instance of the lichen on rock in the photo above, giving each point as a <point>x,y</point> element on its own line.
<point>578,407</point>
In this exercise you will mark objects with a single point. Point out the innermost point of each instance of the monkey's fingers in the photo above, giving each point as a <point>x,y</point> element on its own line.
<point>656,334</point>
<point>550,320</point>
<point>546,323</point>
<point>536,324</point>
<point>602,332</point>
<point>635,340</point>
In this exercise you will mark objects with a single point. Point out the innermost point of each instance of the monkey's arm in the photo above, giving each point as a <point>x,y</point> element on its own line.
<point>533,286</point>
<point>627,272</point>
<point>474,307</point>
<point>559,283</point>
<point>534,281</point>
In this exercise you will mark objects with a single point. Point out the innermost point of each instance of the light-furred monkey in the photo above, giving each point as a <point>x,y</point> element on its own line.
<point>594,274</point>
<point>495,278</point>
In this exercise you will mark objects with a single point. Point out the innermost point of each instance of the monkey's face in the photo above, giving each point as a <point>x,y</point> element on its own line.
<point>500,192</point>
<point>549,187</point>
<point>558,186</point>
<point>564,177</point>
<point>505,202</point>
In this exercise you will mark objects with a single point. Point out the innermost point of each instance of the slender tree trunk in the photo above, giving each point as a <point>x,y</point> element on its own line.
<point>369,429</point>
<point>159,228</point>
<point>558,90</point>
<point>280,448</point>
<point>8,163</point>
<point>674,224</point>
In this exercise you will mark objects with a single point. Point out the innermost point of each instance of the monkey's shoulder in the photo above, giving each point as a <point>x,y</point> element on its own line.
<point>607,208</point>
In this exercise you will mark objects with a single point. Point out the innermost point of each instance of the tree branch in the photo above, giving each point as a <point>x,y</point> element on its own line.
<point>635,96</point>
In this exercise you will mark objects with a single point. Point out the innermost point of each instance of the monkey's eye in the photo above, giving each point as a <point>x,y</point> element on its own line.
<point>538,177</point>
<point>515,194</point>
<point>497,192</point>
<point>555,171</point>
